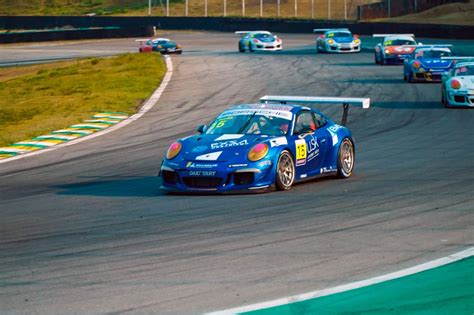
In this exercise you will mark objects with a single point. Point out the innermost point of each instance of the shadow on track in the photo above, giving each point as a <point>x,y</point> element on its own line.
<point>130,187</point>
<point>376,81</point>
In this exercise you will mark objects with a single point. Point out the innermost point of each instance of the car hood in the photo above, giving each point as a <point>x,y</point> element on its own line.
<point>400,50</point>
<point>343,40</point>
<point>219,148</point>
<point>434,63</point>
<point>467,82</point>
<point>266,39</point>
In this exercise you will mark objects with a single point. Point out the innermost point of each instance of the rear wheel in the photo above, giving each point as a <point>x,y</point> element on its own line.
<point>345,159</point>
<point>285,173</point>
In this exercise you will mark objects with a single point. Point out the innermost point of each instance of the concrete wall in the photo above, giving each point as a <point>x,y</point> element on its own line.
<point>233,24</point>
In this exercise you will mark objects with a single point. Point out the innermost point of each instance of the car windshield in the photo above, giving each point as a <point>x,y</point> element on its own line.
<point>399,42</point>
<point>339,34</point>
<point>464,70</point>
<point>432,54</point>
<point>263,36</point>
<point>256,123</point>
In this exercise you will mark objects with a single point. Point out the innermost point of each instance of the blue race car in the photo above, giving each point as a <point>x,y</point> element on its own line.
<point>338,40</point>
<point>260,147</point>
<point>425,64</point>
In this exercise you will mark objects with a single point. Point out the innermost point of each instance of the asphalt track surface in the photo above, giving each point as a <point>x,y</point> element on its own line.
<point>85,228</point>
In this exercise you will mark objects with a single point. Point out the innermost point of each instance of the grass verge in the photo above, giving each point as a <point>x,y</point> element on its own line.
<point>36,100</point>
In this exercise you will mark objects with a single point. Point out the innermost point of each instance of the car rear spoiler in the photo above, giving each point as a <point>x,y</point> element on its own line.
<point>322,30</point>
<point>387,35</point>
<point>434,46</point>
<point>142,40</point>
<point>345,101</point>
<point>468,58</point>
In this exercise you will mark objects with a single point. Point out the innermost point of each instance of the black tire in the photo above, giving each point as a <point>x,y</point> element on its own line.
<point>383,62</point>
<point>241,48</point>
<point>376,59</point>
<point>250,48</point>
<point>444,98</point>
<point>345,159</point>
<point>410,77</point>
<point>285,171</point>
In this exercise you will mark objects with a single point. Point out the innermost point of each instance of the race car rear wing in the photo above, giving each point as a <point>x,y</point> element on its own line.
<point>467,58</point>
<point>435,46</point>
<point>345,101</point>
<point>387,35</point>
<point>246,32</point>
<point>322,30</point>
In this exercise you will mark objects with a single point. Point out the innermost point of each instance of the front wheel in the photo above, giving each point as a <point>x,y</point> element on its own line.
<point>376,59</point>
<point>345,159</point>
<point>285,173</point>
<point>241,48</point>
<point>251,48</point>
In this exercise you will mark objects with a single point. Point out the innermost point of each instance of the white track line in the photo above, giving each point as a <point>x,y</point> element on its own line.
<point>351,286</point>
<point>145,108</point>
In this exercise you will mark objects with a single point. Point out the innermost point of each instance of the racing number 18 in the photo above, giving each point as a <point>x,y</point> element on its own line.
<point>300,149</point>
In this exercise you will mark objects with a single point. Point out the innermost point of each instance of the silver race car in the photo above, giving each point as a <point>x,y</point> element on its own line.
<point>337,40</point>
<point>457,86</point>
<point>259,41</point>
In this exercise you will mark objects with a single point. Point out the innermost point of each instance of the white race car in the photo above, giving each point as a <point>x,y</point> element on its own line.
<point>458,84</point>
<point>259,41</point>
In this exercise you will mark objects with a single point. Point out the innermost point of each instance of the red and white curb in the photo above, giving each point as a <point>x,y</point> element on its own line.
<point>99,125</point>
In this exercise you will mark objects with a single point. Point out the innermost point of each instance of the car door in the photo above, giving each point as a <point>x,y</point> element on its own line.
<point>310,139</point>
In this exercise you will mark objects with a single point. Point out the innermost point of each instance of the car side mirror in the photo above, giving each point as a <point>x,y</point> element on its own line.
<point>201,128</point>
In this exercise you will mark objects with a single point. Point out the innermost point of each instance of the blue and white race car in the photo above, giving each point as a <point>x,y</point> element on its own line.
<point>258,41</point>
<point>426,63</point>
<point>260,147</point>
<point>338,40</point>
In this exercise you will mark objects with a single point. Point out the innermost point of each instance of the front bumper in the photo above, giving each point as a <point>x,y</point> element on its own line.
<point>461,99</point>
<point>395,58</point>
<point>218,178</point>
<point>268,47</point>
<point>172,51</point>
<point>343,48</point>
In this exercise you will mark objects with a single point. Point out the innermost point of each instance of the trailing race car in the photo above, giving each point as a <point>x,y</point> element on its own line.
<point>425,64</point>
<point>162,45</point>
<point>260,147</point>
<point>258,41</point>
<point>338,40</point>
<point>457,87</point>
<point>395,48</point>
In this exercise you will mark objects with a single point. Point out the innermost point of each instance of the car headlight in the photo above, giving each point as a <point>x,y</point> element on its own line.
<point>455,84</point>
<point>387,51</point>
<point>258,152</point>
<point>330,41</point>
<point>356,41</point>
<point>173,150</point>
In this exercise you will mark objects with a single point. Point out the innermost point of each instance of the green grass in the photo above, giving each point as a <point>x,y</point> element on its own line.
<point>36,100</point>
